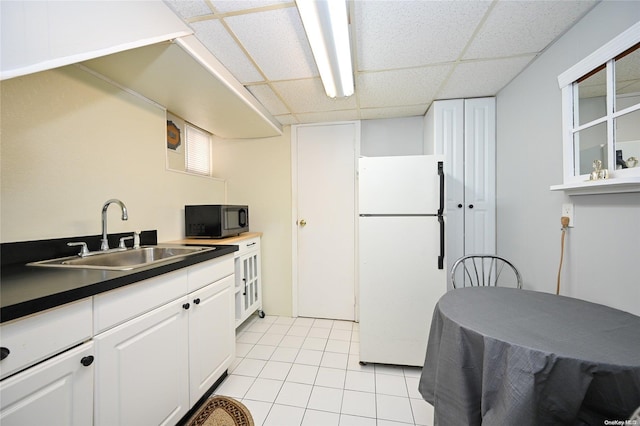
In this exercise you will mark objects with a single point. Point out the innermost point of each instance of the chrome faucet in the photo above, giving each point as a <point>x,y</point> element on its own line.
<point>105,241</point>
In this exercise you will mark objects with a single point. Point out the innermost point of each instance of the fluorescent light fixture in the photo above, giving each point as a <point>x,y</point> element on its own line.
<point>327,28</point>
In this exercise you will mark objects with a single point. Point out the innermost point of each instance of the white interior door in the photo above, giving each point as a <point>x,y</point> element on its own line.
<point>325,214</point>
<point>464,131</point>
<point>480,176</point>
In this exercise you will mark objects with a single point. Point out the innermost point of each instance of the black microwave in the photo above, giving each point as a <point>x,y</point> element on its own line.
<point>215,220</point>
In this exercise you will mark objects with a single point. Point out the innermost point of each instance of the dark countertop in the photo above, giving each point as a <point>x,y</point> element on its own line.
<point>25,290</point>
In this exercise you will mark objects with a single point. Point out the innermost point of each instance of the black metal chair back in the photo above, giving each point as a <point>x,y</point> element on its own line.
<point>484,270</point>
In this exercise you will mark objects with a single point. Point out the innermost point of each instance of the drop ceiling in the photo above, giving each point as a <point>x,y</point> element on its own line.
<point>406,53</point>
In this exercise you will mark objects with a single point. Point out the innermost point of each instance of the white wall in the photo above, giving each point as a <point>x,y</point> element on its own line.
<point>70,142</point>
<point>258,173</point>
<point>392,136</point>
<point>603,250</point>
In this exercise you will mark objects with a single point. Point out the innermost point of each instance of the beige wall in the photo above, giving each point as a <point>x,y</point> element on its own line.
<point>71,141</point>
<point>258,174</point>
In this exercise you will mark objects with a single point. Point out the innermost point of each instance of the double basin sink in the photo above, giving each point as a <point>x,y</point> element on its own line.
<point>125,259</point>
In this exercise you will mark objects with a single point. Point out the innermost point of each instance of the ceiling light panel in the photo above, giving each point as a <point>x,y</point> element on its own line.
<point>519,27</point>
<point>276,41</point>
<point>327,27</point>
<point>482,78</point>
<point>400,34</point>
<point>218,40</point>
<point>400,87</point>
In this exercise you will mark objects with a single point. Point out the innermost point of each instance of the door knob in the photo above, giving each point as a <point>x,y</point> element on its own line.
<point>303,222</point>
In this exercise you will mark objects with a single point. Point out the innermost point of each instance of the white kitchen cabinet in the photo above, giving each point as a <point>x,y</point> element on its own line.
<point>43,380</point>
<point>58,391</point>
<point>248,290</point>
<point>142,375</point>
<point>144,296</point>
<point>464,131</point>
<point>156,366</point>
<point>211,335</point>
<point>34,338</point>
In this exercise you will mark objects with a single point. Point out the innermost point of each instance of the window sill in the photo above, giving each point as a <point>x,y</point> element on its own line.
<point>604,186</point>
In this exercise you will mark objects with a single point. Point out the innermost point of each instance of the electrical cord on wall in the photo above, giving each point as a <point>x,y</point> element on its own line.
<point>565,224</point>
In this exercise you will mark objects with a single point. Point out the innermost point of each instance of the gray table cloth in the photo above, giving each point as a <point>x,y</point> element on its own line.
<point>504,356</point>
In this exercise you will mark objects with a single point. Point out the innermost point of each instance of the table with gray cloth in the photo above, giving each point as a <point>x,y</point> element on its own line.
<point>504,356</point>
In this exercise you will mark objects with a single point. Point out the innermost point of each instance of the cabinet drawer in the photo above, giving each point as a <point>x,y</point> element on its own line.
<point>211,271</point>
<point>57,391</point>
<point>39,336</point>
<point>117,306</point>
<point>248,245</point>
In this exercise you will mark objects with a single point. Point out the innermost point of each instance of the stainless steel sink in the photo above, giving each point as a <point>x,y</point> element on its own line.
<point>126,259</point>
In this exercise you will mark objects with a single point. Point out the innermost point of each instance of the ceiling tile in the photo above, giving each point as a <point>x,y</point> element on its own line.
<point>328,116</point>
<point>400,87</point>
<point>189,8</point>
<point>516,27</point>
<point>226,6</point>
<point>482,78</point>
<point>269,99</point>
<point>308,96</point>
<point>276,41</point>
<point>216,38</point>
<point>407,52</point>
<point>399,34</point>
<point>401,111</point>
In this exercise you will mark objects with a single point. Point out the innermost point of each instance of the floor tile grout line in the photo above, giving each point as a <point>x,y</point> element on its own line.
<point>346,369</point>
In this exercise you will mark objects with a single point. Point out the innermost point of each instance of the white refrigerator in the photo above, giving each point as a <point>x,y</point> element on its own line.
<point>401,255</point>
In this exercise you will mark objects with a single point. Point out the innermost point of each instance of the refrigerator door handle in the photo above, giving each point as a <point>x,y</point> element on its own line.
<point>441,257</point>
<point>440,213</point>
<point>441,174</point>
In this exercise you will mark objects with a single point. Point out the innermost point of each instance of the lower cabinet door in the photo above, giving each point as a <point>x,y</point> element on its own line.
<point>58,391</point>
<point>211,335</point>
<point>142,375</point>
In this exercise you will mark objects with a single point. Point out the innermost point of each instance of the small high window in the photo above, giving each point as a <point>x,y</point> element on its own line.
<point>189,148</point>
<point>198,158</point>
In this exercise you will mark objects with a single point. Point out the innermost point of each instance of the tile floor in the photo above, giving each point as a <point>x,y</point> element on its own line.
<point>305,371</point>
